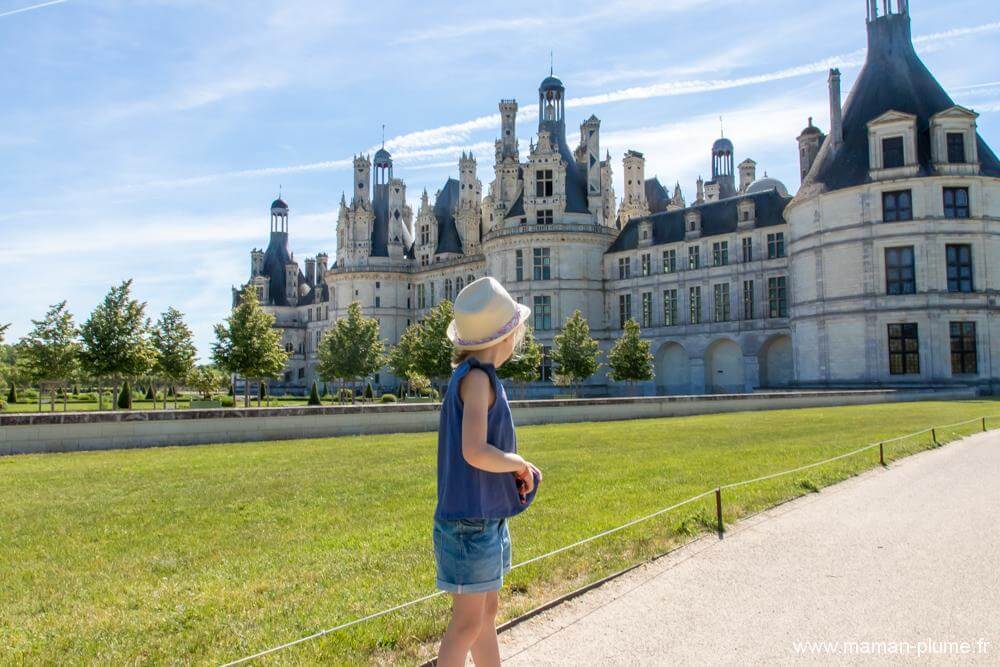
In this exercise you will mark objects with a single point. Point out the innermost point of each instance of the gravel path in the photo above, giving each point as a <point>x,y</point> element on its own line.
<point>895,565</point>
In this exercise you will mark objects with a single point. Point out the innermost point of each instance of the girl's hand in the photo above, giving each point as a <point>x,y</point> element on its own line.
<point>526,477</point>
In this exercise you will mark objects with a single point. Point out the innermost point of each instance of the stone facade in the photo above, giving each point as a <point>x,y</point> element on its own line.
<point>745,288</point>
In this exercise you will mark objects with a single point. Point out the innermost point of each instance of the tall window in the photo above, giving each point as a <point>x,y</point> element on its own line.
<point>669,307</point>
<point>956,147</point>
<point>544,217</point>
<point>669,261</point>
<point>694,257</point>
<point>647,264</point>
<point>721,302</point>
<point>748,309</point>
<point>775,245</point>
<point>518,265</point>
<point>432,296</point>
<point>897,206</point>
<point>899,271</point>
<point>904,349</point>
<point>720,253</point>
<point>624,268</point>
<point>624,309</point>
<point>447,289</point>
<point>647,309</point>
<point>956,202</point>
<point>421,296</point>
<point>747,249</point>
<point>459,284</point>
<point>425,234</point>
<point>543,183</point>
<point>959,258</point>
<point>963,348</point>
<point>892,152</point>
<point>541,264</point>
<point>777,296</point>
<point>378,302</point>
<point>545,369</point>
<point>694,303</point>
<point>543,312</point>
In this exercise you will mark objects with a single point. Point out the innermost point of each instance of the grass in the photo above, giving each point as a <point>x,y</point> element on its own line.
<point>205,554</point>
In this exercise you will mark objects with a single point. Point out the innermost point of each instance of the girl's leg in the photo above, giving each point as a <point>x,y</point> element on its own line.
<point>466,622</point>
<point>486,650</point>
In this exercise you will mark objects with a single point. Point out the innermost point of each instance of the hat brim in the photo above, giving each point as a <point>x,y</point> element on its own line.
<point>523,313</point>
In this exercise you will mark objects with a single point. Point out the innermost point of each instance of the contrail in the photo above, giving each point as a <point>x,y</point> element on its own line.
<point>32,7</point>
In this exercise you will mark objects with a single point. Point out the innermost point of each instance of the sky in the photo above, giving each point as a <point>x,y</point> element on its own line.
<point>145,139</point>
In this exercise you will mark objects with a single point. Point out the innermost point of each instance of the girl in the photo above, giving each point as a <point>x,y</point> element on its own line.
<point>481,478</point>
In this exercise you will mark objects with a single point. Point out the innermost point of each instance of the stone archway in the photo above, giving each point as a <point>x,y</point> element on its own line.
<point>673,370</point>
<point>724,368</point>
<point>775,361</point>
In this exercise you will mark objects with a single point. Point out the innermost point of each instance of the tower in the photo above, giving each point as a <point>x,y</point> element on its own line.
<point>256,262</point>
<point>507,144</point>
<point>722,167</point>
<point>809,144</point>
<point>551,104</point>
<point>380,203</point>
<point>279,216</point>
<point>469,210</point>
<point>634,203</point>
<point>590,141</point>
<point>362,180</point>
<point>748,173</point>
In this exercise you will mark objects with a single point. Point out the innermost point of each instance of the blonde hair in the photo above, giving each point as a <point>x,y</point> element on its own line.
<point>458,356</point>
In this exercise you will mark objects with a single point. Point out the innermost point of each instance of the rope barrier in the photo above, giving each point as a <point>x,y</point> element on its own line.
<point>633,522</point>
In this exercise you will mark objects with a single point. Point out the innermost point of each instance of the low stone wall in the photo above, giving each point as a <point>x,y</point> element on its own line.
<point>79,431</point>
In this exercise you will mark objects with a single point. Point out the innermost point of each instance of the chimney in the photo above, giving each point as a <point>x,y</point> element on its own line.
<point>836,113</point>
<point>310,271</point>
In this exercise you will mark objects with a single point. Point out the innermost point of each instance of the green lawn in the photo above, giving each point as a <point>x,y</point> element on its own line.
<point>205,554</point>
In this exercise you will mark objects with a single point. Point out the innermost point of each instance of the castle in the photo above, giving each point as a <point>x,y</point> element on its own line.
<point>877,272</point>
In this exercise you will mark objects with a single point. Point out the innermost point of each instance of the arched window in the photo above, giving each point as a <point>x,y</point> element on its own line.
<point>470,279</point>
<point>447,289</point>
<point>459,284</point>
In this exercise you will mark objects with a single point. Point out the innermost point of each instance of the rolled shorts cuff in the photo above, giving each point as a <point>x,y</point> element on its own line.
<point>478,587</point>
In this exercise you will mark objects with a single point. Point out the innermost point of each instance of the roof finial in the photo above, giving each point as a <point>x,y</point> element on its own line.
<point>383,135</point>
<point>722,129</point>
<point>279,190</point>
<point>550,63</point>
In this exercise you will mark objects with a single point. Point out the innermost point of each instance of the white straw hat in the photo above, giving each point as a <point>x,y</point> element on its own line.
<point>484,314</point>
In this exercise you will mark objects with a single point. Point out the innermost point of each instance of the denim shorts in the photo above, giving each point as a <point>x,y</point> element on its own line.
<point>472,555</point>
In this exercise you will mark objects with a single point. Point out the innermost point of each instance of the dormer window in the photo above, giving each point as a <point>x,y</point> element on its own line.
<point>747,213</point>
<point>544,183</point>
<point>954,147</point>
<point>692,224</point>
<point>892,146</point>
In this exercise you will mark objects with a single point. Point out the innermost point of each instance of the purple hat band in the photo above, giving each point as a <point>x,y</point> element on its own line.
<point>505,329</point>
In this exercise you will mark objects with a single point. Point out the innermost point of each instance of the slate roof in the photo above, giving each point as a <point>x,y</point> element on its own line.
<point>718,217</point>
<point>445,206</point>
<point>657,197</point>
<point>893,78</point>
<point>380,228</point>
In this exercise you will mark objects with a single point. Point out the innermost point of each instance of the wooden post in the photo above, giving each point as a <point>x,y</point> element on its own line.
<point>881,453</point>
<point>934,437</point>
<point>984,424</point>
<point>718,511</point>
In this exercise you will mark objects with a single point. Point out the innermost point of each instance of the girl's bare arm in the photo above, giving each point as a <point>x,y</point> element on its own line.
<point>475,393</point>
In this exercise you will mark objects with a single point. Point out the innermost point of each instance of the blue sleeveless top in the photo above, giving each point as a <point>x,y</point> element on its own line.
<point>464,491</point>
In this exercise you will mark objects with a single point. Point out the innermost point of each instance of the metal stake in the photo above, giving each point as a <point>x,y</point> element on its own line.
<point>881,452</point>
<point>718,511</point>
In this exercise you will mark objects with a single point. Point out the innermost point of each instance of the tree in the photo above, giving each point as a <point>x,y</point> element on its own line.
<point>50,353</point>
<point>206,380</point>
<point>433,350</point>
<point>175,351</point>
<point>115,339</point>
<point>125,396</point>
<point>402,355</point>
<point>248,345</point>
<point>630,359</point>
<point>574,352</point>
<point>526,361</point>
<point>314,395</point>
<point>352,348</point>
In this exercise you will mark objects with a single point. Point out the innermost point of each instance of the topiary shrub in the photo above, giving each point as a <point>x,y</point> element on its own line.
<point>125,396</point>
<point>228,402</point>
<point>12,395</point>
<point>388,398</point>
<point>314,395</point>
<point>150,396</point>
<point>369,392</point>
